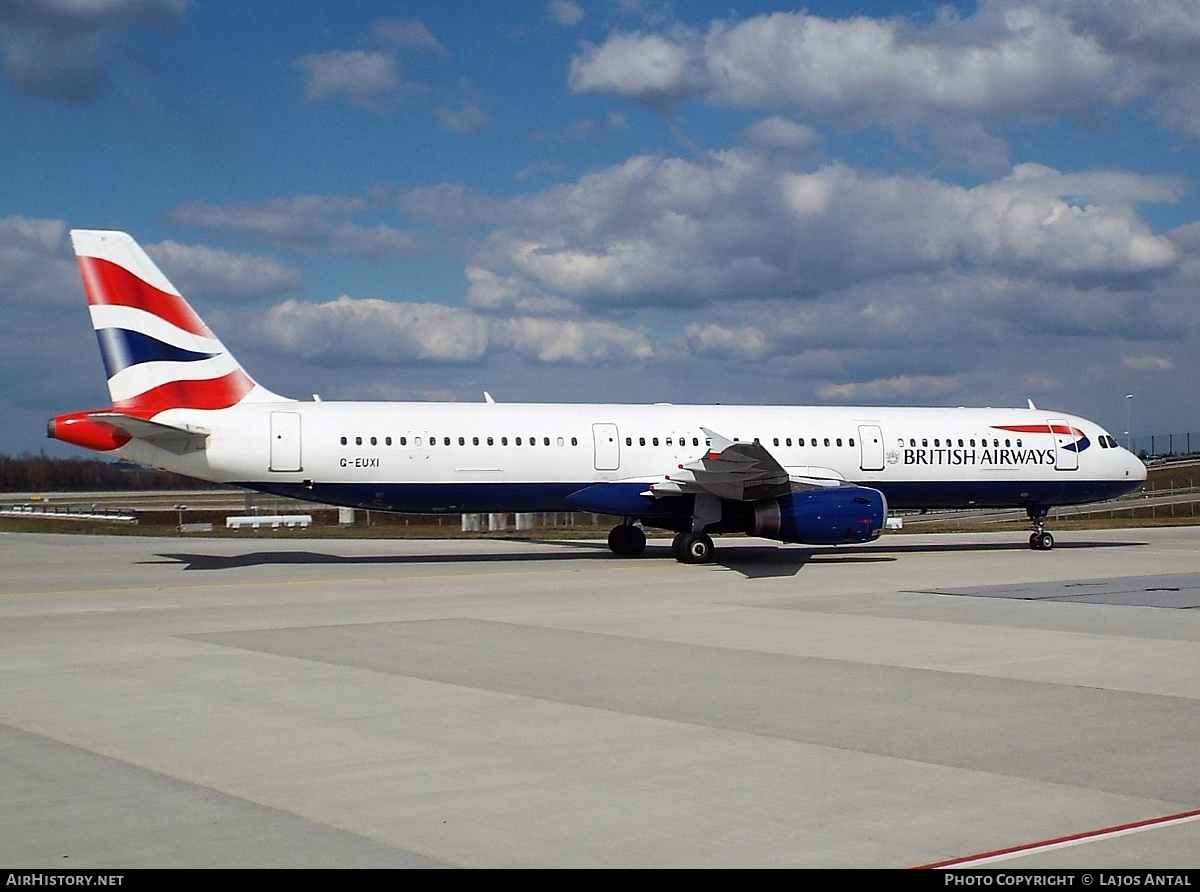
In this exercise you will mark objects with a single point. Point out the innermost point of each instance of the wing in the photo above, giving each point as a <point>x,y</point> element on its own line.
<point>743,472</point>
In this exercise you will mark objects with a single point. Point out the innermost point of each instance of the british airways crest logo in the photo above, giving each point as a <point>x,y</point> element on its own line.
<point>1066,437</point>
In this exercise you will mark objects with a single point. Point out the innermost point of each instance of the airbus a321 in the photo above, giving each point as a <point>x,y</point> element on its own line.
<point>812,475</point>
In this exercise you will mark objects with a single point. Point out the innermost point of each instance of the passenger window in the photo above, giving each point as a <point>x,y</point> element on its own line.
<point>655,441</point>
<point>641,441</point>
<point>560,441</point>
<point>374,442</point>
<point>851,441</point>
<point>387,441</point>
<point>358,441</point>
<point>789,441</point>
<point>474,441</point>
<point>504,441</point>
<point>546,441</point>
<point>491,442</point>
<point>574,441</point>
<point>343,441</point>
<point>404,441</point>
<point>629,441</point>
<point>826,441</point>
<point>839,441</point>
<point>517,441</point>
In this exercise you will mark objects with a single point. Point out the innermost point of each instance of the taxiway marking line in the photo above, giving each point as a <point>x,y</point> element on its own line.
<point>1063,842</point>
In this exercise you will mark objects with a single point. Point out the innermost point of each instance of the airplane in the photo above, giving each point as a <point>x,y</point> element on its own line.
<point>811,475</point>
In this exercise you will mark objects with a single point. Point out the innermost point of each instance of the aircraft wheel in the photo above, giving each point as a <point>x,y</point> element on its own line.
<point>1044,541</point>
<point>1033,541</point>
<point>694,548</point>
<point>677,546</point>
<point>627,540</point>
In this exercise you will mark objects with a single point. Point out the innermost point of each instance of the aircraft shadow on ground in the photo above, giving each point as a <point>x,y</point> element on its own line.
<point>752,561</point>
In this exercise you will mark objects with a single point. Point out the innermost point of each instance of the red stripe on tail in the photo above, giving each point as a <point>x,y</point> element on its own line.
<point>214,393</point>
<point>108,284</point>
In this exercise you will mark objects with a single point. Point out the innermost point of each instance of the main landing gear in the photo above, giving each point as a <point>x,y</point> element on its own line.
<point>627,540</point>
<point>692,548</point>
<point>1039,539</point>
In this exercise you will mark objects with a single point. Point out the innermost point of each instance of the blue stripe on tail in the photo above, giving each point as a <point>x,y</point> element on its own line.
<point>122,348</point>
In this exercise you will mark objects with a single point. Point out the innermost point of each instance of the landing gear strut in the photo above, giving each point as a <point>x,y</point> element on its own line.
<point>1039,539</point>
<point>627,540</point>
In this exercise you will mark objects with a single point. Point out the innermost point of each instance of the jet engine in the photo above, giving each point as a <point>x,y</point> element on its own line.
<point>833,516</point>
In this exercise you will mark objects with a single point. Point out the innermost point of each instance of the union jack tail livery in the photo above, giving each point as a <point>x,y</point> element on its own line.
<point>157,352</point>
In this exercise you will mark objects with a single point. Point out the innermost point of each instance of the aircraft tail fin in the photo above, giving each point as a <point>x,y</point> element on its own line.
<point>157,351</point>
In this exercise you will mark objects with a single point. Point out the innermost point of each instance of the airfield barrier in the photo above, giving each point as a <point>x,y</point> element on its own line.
<point>69,512</point>
<point>1165,446</point>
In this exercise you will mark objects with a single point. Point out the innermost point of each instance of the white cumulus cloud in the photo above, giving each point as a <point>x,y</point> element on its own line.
<point>1008,59</point>
<point>211,272</point>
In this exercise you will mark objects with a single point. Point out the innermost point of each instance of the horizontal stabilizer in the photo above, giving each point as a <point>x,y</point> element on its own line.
<point>106,430</point>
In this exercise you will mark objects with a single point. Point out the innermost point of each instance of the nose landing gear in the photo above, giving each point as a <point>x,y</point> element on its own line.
<point>1039,539</point>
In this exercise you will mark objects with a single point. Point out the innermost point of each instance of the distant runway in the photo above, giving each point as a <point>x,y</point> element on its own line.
<point>293,703</point>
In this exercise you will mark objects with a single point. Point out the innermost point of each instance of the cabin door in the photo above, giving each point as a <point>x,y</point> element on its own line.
<point>1066,445</point>
<point>870,442</point>
<point>608,447</point>
<point>285,441</point>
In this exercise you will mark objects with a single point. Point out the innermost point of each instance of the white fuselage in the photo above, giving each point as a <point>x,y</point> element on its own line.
<point>431,457</point>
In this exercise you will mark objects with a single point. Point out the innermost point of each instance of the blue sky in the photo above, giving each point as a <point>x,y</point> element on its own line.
<point>620,200</point>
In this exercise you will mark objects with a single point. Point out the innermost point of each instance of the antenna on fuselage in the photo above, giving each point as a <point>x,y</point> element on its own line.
<point>487,398</point>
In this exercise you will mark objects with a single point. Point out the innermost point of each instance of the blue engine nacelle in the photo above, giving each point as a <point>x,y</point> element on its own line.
<point>832,516</point>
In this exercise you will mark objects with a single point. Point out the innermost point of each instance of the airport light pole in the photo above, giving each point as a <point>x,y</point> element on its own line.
<point>1128,421</point>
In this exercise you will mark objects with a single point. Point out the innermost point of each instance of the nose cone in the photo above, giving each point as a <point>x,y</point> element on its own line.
<point>1135,471</point>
